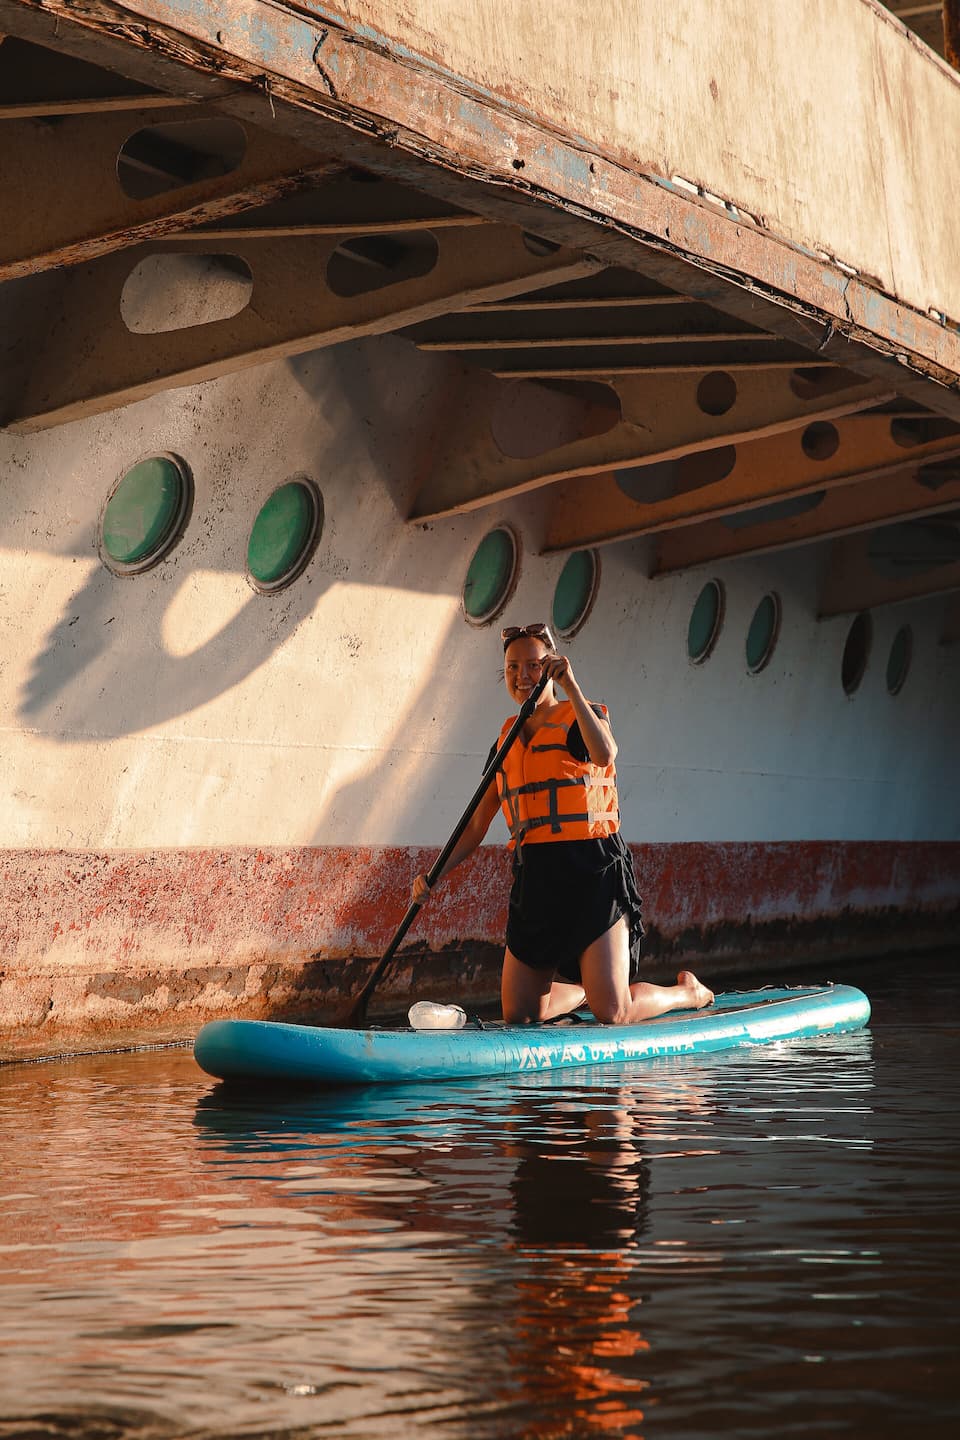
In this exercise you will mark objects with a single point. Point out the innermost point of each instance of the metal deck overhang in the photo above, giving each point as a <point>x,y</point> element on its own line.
<point>687,360</point>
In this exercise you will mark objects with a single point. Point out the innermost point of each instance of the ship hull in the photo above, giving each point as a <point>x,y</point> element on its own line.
<point>143,947</point>
<point>217,798</point>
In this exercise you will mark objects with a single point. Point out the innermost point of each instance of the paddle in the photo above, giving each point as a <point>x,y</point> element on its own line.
<point>357,1013</point>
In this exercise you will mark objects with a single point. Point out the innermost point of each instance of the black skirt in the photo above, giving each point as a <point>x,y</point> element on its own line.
<point>565,895</point>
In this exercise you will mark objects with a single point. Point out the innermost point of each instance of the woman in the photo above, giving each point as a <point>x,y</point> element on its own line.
<point>574,929</point>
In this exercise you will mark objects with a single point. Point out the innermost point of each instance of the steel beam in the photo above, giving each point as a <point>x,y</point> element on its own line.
<point>38,82</point>
<point>853,582</point>
<point>90,105</point>
<point>347,94</point>
<point>563,304</point>
<point>688,339</point>
<point>592,429</point>
<point>907,495</point>
<point>264,230</point>
<point>89,361</point>
<point>639,324</point>
<point>63,203</point>
<point>351,205</point>
<point>731,360</point>
<point>723,482</point>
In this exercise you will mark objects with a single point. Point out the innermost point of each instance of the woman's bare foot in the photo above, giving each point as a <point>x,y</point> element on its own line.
<point>699,994</point>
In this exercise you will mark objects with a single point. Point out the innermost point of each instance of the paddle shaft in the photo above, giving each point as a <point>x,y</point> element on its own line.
<point>357,1012</point>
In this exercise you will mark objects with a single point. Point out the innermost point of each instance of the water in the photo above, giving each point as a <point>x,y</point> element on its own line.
<point>759,1243</point>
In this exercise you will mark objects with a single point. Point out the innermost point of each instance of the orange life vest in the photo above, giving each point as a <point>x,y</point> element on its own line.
<point>546,794</point>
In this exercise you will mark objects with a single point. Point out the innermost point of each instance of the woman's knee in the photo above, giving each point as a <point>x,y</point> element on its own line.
<point>611,1011</point>
<point>523,992</point>
<point>605,967</point>
<point>518,1015</point>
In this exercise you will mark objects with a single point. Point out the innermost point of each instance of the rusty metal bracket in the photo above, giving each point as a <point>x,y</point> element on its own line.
<point>64,204</point>
<point>696,488</point>
<point>567,433</point>
<point>402,116</point>
<point>853,582</point>
<point>905,495</point>
<point>90,361</point>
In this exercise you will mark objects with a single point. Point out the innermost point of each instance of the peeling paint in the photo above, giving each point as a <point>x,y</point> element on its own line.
<point>386,87</point>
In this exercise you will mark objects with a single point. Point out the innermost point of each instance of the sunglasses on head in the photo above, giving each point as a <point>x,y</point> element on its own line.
<point>537,631</point>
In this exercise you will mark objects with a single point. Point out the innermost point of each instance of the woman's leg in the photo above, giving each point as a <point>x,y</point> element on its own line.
<point>605,967</point>
<point>530,996</point>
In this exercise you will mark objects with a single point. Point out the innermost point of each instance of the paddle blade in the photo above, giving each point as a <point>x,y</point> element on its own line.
<point>355,1016</point>
<point>353,1019</point>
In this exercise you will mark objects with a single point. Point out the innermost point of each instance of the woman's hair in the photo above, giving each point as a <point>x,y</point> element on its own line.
<point>536,630</point>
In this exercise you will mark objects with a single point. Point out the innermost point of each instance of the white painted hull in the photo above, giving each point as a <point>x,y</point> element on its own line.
<point>339,726</point>
<point>179,708</point>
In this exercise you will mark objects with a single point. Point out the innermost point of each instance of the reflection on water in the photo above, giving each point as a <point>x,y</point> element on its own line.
<point>751,1243</point>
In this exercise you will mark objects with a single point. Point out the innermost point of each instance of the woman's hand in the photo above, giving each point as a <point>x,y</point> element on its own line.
<point>420,890</point>
<point>596,732</point>
<point>560,670</point>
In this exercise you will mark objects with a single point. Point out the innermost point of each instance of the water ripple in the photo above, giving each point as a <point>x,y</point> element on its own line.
<point>750,1243</point>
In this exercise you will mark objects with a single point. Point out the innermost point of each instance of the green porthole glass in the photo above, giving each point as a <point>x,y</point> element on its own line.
<point>763,633</point>
<point>284,535</point>
<point>145,514</point>
<point>898,663</point>
<point>705,621</point>
<point>490,576</point>
<point>576,591</point>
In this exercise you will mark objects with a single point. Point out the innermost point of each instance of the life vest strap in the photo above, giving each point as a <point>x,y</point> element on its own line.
<point>536,821</point>
<point>554,818</point>
<point>533,787</point>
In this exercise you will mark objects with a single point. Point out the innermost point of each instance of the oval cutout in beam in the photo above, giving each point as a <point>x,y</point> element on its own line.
<point>778,510</point>
<point>366,263</point>
<point>161,158</point>
<point>665,479</point>
<point>176,291</point>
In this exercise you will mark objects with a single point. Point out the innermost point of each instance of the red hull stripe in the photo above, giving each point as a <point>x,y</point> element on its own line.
<point>158,907</point>
<point>133,946</point>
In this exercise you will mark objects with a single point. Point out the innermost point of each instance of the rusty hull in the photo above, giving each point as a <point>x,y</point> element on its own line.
<point>345,92</point>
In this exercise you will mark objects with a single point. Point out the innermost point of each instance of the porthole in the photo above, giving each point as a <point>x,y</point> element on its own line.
<point>898,662</point>
<point>145,514</point>
<point>576,591</point>
<point>490,576</point>
<point>705,622</point>
<point>763,633</point>
<point>856,652</point>
<point>284,535</point>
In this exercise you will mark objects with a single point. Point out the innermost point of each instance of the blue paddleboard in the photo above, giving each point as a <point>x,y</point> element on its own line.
<point>310,1055</point>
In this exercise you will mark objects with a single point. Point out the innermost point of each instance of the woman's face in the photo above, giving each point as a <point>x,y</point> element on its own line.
<point>522,666</point>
